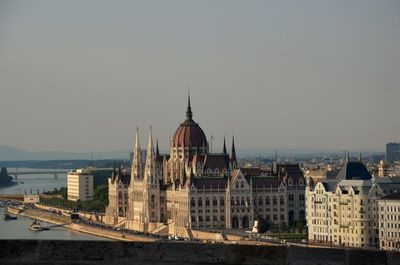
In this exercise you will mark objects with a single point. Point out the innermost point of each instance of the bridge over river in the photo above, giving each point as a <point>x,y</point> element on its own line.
<point>55,172</point>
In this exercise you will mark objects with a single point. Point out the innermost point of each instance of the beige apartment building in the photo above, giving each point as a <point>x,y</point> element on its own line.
<point>389,222</point>
<point>344,210</point>
<point>80,185</point>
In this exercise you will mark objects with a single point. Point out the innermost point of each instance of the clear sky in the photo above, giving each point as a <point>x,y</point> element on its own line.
<point>80,75</point>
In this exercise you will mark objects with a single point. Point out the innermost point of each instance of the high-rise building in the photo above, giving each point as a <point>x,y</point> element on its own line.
<point>392,152</point>
<point>80,185</point>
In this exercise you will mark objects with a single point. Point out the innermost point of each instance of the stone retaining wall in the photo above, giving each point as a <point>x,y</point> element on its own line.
<point>121,253</point>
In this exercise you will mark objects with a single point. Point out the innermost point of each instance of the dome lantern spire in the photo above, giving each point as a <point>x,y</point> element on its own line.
<point>189,113</point>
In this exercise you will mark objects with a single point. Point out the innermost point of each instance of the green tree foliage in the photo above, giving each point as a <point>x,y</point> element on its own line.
<point>99,202</point>
<point>4,177</point>
<point>100,194</point>
<point>263,225</point>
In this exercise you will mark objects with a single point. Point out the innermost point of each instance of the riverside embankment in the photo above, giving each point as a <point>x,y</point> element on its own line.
<point>83,228</point>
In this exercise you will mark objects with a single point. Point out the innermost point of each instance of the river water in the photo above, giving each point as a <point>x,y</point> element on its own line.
<point>18,229</point>
<point>36,182</point>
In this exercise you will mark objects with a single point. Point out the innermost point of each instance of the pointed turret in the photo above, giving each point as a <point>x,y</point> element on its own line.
<point>233,155</point>
<point>150,171</point>
<point>189,113</point>
<point>157,150</point>
<point>136,171</point>
<point>224,149</point>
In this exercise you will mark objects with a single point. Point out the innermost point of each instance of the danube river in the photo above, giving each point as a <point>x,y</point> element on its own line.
<point>18,229</point>
<point>35,182</point>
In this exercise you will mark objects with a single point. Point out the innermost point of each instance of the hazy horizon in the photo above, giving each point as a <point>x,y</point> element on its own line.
<point>80,76</point>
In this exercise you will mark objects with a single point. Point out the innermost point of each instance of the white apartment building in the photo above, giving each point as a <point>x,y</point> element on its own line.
<point>389,222</point>
<point>80,185</point>
<point>344,210</point>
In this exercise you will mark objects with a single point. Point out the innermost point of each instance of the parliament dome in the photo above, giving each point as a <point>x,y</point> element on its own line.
<point>189,132</point>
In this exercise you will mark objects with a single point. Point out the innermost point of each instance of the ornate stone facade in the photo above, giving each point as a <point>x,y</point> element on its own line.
<point>344,210</point>
<point>192,188</point>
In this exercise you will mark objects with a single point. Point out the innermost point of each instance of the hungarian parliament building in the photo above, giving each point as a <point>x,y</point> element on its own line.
<point>193,189</point>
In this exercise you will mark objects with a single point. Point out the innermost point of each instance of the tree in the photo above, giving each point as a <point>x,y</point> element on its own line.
<point>263,224</point>
<point>4,177</point>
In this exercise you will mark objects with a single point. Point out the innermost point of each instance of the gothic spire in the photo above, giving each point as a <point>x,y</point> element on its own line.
<point>233,155</point>
<point>157,150</point>
<point>149,173</point>
<point>136,170</point>
<point>224,150</point>
<point>189,113</point>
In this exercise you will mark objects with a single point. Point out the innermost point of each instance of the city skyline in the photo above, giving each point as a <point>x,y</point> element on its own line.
<point>87,79</point>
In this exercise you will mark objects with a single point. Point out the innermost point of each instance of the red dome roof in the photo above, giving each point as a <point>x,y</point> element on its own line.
<point>189,132</point>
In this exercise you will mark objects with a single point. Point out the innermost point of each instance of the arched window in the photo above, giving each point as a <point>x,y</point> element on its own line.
<point>152,199</point>
<point>274,201</point>
<point>242,201</point>
<point>267,200</point>
<point>260,200</point>
<point>237,185</point>
<point>281,201</point>
<point>215,201</point>
<point>192,202</point>
<point>200,202</point>
<point>242,184</point>
<point>222,201</point>
<point>207,201</point>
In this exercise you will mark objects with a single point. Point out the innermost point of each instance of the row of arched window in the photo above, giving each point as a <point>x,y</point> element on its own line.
<point>207,201</point>
<point>274,200</point>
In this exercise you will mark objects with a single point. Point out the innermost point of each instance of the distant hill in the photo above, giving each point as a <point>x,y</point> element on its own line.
<point>8,153</point>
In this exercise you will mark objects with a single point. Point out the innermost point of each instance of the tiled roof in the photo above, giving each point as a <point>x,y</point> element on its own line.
<point>393,196</point>
<point>210,183</point>
<point>354,170</point>
<point>213,161</point>
<point>265,182</point>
